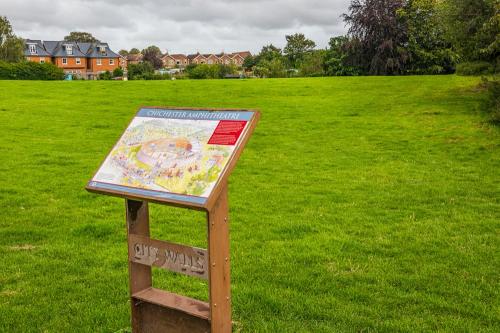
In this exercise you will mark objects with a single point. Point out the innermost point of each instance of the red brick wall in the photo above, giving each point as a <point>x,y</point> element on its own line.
<point>37,59</point>
<point>71,63</point>
<point>105,66</point>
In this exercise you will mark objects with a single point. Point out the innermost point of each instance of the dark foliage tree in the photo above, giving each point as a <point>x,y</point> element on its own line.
<point>142,70</point>
<point>152,54</point>
<point>123,53</point>
<point>80,36</point>
<point>297,46</point>
<point>378,36</point>
<point>11,46</point>
<point>269,52</point>
<point>134,51</point>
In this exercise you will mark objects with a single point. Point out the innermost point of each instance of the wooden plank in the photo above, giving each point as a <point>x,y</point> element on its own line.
<point>139,275</point>
<point>219,266</point>
<point>170,256</point>
<point>159,319</point>
<point>166,299</point>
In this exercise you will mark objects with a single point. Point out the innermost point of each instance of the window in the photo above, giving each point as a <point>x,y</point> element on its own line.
<point>65,61</point>
<point>32,48</point>
<point>99,61</point>
<point>69,49</point>
<point>42,60</point>
<point>102,49</point>
<point>78,61</point>
<point>111,61</point>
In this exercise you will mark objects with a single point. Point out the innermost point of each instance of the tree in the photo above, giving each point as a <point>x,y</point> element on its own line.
<point>429,51</point>
<point>152,54</point>
<point>118,72</point>
<point>11,46</point>
<point>249,62</point>
<point>269,52</point>
<point>335,58</point>
<point>123,53</point>
<point>297,46</point>
<point>312,63</point>
<point>473,28</point>
<point>81,37</point>
<point>142,70</point>
<point>378,36</point>
<point>134,51</point>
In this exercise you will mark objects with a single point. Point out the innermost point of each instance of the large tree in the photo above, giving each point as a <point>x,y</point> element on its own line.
<point>81,37</point>
<point>123,53</point>
<point>429,51</point>
<point>378,36</point>
<point>152,54</point>
<point>134,51</point>
<point>473,27</point>
<point>297,46</point>
<point>11,46</point>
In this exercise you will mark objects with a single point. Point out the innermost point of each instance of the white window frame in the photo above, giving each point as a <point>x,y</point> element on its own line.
<point>32,48</point>
<point>69,49</point>
<point>78,61</point>
<point>99,61</point>
<point>111,61</point>
<point>64,61</point>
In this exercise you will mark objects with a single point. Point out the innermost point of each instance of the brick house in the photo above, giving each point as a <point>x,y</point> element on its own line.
<point>180,60</point>
<point>83,60</point>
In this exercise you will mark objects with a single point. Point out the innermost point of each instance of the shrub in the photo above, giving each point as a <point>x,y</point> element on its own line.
<point>493,102</point>
<point>28,70</point>
<point>140,71</point>
<point>117,72</point>
<point>105,76</point>
<point>475,68</point>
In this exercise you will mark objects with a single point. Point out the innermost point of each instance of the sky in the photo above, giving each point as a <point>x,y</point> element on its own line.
<point>179,26</point>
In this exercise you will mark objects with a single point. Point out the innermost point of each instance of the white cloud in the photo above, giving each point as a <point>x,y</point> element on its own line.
<point>179,26</point>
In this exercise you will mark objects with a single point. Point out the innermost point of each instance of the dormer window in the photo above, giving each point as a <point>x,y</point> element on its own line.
<point>102,49</point>
<point>69,49</point>
<point>32,48</point>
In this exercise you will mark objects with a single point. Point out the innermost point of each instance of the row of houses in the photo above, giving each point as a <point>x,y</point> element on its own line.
<point>88,60</point>
<point>182,60</point>
<point>85,60</point>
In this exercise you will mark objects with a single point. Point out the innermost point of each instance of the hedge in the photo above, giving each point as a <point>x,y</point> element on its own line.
<point>28,70</point>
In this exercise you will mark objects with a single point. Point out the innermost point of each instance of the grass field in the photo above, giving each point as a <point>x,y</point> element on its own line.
<point>359,205</point>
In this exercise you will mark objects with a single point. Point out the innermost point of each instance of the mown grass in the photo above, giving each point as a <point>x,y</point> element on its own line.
<point>359,205</point>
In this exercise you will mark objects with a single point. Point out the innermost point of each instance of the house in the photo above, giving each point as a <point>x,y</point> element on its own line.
<point>196,59</point>
<point>134,58</point>
<point>84,60</point>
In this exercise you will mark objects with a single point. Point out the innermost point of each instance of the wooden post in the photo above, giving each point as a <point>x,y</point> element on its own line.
<point>219,266</point>
<point>139,275</point>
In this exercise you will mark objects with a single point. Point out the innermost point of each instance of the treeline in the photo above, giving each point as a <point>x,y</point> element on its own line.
<point>395,37</point>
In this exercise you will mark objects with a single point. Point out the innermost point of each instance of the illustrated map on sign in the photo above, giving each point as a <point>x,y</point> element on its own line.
<point>173,154</point>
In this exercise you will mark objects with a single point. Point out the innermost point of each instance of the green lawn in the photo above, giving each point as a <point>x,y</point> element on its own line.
<point>367,204</point>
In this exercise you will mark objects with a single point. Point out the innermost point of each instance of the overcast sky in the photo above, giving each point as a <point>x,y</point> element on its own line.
<point>179,26</point>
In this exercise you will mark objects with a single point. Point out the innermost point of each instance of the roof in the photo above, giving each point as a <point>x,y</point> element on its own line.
<point>60,49</point>
<point>105,51</point>
<point>178,56</point>
<point>134,57</point>
<point>39,49</point>
<point>242,54</point>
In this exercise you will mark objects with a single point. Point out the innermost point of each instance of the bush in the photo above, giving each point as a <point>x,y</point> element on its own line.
<point>205,71</point>
<point>105,76</point>
<point>28,70</point>
<point>475,68</point>
<point>140,71</point>
<point>118,72</point>
<point>493,102</point>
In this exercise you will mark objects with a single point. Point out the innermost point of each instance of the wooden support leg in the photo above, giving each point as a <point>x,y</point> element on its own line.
<point>219,267</point>
<point>139,275</point>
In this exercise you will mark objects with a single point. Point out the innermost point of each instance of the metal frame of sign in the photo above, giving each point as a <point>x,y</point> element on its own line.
<point>154,310</point>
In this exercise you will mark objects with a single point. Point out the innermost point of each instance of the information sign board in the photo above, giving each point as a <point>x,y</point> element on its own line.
<point>174,155</point>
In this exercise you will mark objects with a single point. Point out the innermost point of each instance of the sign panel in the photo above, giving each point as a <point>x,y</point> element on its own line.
<point>174,257</point>
<point>173,154</point>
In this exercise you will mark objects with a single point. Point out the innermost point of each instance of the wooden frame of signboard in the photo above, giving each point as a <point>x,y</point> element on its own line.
<point>154,310</point>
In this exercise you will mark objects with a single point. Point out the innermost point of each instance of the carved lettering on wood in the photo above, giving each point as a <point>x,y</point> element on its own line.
<point>170,256</point>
